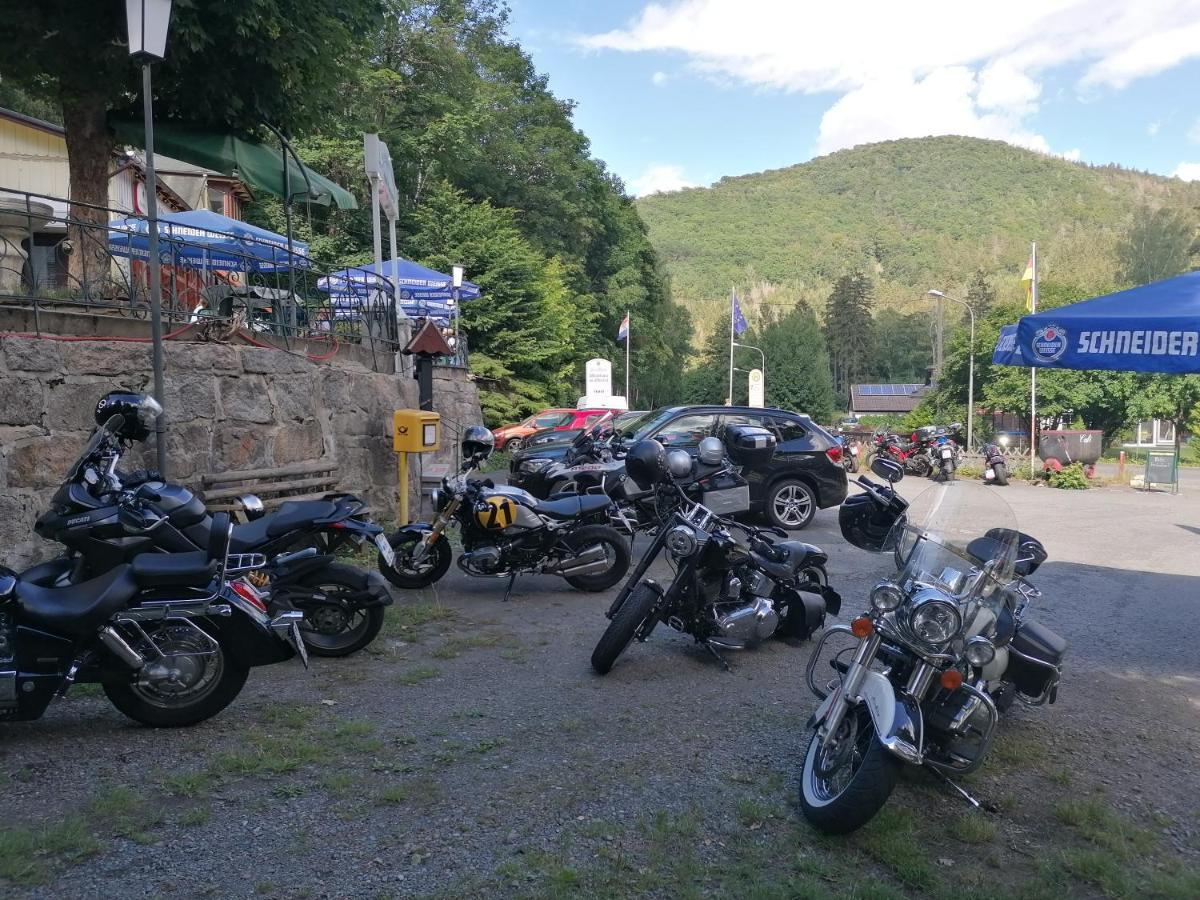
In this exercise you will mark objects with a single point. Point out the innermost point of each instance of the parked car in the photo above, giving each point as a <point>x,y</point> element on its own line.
<point>512,437</point>
<point>804,475</point>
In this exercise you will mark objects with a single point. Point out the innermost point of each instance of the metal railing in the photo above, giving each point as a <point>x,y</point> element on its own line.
<point>88,260</point>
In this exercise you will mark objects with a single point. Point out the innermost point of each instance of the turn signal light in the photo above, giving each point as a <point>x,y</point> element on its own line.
<point>952,679</point>
<point>862,627</point>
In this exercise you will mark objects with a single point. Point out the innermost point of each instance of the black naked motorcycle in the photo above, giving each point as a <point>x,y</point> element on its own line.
<point>995,464</point>
<point>734,585</point>
<point>343,606</point>
<point>944,648</point>
<point>507,531</point>
<point>169,637</point>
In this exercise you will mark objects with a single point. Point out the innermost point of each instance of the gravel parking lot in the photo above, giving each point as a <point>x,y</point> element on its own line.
<point>471,752</point>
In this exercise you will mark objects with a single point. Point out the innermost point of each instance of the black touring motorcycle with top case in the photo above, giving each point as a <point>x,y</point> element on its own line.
<point>734,585</point>
<point>942,651</point>
<point>506,531</point>
<point>343,606</point>
<point>169,637</point>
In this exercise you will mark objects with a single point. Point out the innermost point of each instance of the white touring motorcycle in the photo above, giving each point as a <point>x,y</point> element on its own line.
<point>944,648</point>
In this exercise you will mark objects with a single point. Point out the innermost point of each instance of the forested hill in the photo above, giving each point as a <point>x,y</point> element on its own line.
<point>912,214</point>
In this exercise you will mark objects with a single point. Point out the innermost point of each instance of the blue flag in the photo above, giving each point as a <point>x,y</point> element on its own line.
<point>739,321</point>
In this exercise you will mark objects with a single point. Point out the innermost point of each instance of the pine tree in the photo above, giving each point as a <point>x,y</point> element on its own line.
<point>849,333</point>
<point>980,293</point>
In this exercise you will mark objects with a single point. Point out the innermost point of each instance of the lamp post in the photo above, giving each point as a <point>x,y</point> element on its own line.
<point>456,280</point>
<point>147,22</point>
<point>971,368</point>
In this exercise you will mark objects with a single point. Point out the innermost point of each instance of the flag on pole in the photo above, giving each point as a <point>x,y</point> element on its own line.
<point>1027,283</point>
<point>739,321</point>
<point>624,330</point>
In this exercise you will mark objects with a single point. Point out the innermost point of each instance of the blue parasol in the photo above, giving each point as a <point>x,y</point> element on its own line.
<point>422,291</point>
<point>200,238</point>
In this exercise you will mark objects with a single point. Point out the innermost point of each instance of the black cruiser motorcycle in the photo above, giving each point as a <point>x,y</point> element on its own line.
<point>169,637</point>
<point>943,649</point>
<point>507,531</point>
<point>734,585</point>
<point>343,606</point>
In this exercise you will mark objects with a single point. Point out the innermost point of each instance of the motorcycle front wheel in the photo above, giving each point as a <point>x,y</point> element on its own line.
<point>412,575</point>
<point>195,685</point>
<point>845,785</point>
<point>624,625</point>
<point>616,551</point>
<point>334,626</point>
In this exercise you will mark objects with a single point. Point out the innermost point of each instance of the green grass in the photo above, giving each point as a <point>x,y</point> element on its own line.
<point>894,839</point>
<point>417,674</point>
<point>188,784</point>
<point>28,853</point>
<point>1116,835</point>
<point>125,813</point>
<point>974,828</point>
<point>406,619</point>
<point>196,816</point>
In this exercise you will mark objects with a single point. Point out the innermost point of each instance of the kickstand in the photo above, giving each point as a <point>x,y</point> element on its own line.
<point>713,650</point>
<point>508,590</point>
<point>961,790</point>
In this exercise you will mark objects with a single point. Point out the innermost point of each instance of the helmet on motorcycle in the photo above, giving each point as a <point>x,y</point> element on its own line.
<point>137,412</point>
<point>646,463</point>
<point>866,523</point>
<point>478,440</point>
<point>679,463</point>
<point>712,451</point>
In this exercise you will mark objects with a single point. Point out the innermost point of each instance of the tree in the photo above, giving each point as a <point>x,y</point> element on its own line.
<point>903,347</point>
<point>798,376</point>
<point>229,65</point>
<point>848,330</point>
<point>980,293</point>
<point>1157,246</point>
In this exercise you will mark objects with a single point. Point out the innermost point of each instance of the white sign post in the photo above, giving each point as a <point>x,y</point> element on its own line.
<point>384,195</point>
<point>758,388</point>
<point>598,381</point>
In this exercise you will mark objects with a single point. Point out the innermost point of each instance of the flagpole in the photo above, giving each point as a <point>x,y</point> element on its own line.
<point>1033,298</point>
<point>628,336</point>
<point>729,396</point>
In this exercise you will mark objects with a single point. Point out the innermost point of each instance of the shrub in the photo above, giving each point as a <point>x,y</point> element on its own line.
<point>1070,478</point>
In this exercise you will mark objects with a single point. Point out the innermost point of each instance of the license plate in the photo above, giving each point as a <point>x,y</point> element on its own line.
<point>385,549</point>
<point>946,453</point>
<point>299,642</point>
<point>989,474</point>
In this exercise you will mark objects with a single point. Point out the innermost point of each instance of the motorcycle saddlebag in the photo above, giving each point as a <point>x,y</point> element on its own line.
<point>1035,658</point>
<point>749,445</point>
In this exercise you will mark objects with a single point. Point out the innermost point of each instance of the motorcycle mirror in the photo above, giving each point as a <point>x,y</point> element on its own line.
<point>252,505</point>
<point>887,469</point>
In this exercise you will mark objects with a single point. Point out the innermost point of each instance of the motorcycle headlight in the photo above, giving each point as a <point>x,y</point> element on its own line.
<point>530,466</point>
<point>980,651</point>
<point>886,596</point>
<point>934,622</point>
<point>681,541</point>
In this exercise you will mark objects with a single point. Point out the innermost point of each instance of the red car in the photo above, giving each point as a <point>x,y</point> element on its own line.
<point>512,437</point>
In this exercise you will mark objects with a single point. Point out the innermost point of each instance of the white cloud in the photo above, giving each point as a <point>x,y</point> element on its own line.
<point>659,79</point>
<point>1073,154</point>
<point>659,179</point>
<point>1152,128</point>
<point>911,69</point>
<point>1187,171</point>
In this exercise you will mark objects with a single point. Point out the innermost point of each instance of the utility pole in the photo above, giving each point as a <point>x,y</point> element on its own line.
<point>938,344</point>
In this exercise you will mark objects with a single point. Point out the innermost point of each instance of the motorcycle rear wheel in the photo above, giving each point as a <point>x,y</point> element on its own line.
<point>624,625</point>
<point>849,795</point>
<point>334,629</point>
<point>1001,473</point>
<point>616,548</point>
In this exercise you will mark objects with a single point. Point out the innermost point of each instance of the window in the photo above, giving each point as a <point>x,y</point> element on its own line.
<point>789,430</point>
<point>216,199</point>
<point>593,419</point>
<point>550,419</point>
<point>687,430</point>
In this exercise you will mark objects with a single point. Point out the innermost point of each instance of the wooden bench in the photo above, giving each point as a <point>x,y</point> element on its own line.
<point>303,481</point>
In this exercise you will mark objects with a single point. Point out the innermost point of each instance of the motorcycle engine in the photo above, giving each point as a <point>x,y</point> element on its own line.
<point>485,560</point>
<point>741,625</point>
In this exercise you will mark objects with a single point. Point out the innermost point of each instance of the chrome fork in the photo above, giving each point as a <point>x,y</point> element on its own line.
<point>852,681</point>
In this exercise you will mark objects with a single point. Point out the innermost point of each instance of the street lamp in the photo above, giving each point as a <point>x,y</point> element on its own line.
<point>147,22</point>
<point>971,369</point>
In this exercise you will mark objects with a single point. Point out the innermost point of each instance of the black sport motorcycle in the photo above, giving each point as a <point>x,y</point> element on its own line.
<point>942,651</point>
<point>734,586</point>
<point>507,531</point>
<point>169,637</point>
<point>343,606</point>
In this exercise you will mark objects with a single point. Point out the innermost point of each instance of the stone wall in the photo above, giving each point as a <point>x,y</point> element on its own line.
<point>229,407</point>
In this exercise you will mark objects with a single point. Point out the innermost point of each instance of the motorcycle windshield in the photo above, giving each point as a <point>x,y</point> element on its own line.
<point>960,539</point>
<point>99,437</point>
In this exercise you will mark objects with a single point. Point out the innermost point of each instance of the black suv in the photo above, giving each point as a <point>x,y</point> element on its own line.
<point>804,475</point>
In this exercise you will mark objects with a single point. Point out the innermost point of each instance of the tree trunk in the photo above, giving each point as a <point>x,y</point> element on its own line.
<point>90,147</point>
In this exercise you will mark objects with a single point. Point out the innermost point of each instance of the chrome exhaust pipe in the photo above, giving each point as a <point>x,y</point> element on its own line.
<point>120,648</point>
<point>591,561</point>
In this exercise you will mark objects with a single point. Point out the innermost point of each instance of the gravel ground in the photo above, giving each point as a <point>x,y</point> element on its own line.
<point>472,752</point>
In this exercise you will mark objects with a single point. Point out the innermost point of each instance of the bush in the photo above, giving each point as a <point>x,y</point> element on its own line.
<point>1070,478</point>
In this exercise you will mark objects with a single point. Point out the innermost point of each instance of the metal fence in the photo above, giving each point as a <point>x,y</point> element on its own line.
<point>93,262</point>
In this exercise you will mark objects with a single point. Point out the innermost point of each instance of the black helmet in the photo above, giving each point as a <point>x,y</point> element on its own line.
<point>646,463</point>
<point>866,522</point>
<point>478,440</point>
<point>137,412</point>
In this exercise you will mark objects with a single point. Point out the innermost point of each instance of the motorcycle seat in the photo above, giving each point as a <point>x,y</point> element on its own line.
<point>290,516</point>
<point>77,609</point>
<point>574,507</point>
<point>796,554</point>
<point>160,570</point>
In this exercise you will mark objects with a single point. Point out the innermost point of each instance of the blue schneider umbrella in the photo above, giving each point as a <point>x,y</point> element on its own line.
<point>200,238</point>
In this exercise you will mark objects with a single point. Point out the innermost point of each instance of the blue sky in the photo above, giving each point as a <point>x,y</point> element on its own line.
<point>683,92</point>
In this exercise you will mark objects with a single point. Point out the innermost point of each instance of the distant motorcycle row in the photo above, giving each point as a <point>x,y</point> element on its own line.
<point>168,606</point>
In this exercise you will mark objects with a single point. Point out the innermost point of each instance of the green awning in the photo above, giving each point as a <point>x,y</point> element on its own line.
<point>257,165</point>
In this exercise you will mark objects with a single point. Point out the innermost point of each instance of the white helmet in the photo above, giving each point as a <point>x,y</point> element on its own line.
<point>712,451</point>
<point>679,463</point>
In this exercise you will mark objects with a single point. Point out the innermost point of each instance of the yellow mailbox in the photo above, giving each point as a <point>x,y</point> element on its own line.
<point>416,431</point>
